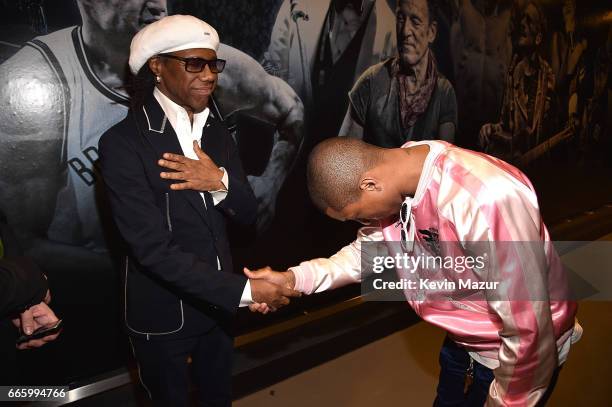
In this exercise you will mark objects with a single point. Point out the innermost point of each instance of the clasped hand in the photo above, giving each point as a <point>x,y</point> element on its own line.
<point>270,289</point>
<point>200,175</point>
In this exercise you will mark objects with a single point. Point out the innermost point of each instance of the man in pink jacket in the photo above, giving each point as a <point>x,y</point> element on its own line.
<point>434,198</point>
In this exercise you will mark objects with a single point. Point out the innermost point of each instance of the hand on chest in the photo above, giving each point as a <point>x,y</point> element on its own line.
<point>213,154</point>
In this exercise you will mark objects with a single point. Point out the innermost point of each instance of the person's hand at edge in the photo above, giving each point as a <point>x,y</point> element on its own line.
<point>33,318</point>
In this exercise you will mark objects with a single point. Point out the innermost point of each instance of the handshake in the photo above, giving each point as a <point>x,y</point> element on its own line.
<point>270,289</point>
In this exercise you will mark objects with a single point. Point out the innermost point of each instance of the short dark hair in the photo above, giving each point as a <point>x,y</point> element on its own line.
<point>432,10</point>
<point>335,167</point>
<point>542,20</point>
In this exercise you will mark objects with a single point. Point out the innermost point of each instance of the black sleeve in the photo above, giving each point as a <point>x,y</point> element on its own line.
<point>448,105</point>
<point>359,97</point>
<point>10,244</point>
<point>22,285</point>
<point>141,224</point>
<point>240,204</point>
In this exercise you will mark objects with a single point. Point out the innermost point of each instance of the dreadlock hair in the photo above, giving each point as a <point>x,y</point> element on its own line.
<point>140,86</point>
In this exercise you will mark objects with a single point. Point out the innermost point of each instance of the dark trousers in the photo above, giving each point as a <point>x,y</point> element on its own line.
<point>164,371</point>
<point>454,365</point>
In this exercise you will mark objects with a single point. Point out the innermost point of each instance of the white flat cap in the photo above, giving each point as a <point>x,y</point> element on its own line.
<point>170,34</point>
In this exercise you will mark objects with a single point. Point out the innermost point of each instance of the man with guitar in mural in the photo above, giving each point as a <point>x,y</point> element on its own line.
<point>527,118</point>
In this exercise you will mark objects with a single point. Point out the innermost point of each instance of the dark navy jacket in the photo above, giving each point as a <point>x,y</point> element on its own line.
<point>172,285</point>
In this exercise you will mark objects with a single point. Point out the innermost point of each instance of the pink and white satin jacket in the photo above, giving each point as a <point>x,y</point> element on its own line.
<point>467,196</point>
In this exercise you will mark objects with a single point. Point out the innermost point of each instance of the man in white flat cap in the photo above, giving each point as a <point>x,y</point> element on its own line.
<point>173,178</point>
<point>80,74</point>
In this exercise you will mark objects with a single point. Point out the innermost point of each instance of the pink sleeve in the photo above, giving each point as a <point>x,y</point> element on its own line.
<point>342,268</point>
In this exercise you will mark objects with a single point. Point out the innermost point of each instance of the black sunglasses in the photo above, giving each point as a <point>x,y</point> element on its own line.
<point>404,213</point>
<point>196,65</point>
<point>405,221</point>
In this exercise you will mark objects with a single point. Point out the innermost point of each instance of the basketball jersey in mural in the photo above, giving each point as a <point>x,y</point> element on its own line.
<point>91,108</point>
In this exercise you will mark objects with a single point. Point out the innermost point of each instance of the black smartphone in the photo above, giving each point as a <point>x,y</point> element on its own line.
<point>41,332</point>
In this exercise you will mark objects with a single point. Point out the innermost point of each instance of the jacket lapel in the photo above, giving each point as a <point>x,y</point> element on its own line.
<point>161,136</point>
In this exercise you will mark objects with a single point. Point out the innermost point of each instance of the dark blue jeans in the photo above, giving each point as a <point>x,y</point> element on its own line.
<point>454,364</point>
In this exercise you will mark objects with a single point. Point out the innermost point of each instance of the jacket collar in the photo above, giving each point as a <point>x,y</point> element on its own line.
<point>157,130</point>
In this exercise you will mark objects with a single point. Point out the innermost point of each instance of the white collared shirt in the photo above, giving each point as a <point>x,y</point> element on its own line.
<point>186,133</point>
